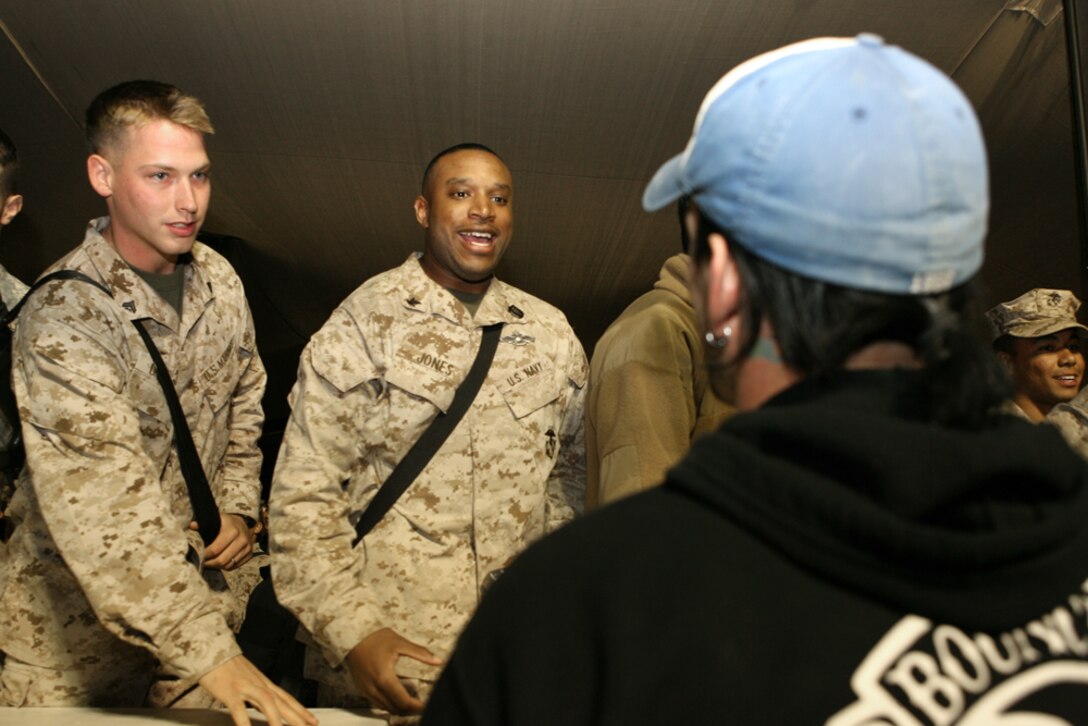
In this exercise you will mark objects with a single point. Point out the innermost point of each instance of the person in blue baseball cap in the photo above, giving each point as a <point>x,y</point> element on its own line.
<point>869,540</point>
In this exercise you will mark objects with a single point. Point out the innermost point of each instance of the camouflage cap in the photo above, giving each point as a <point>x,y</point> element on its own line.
<point>1036,313</point>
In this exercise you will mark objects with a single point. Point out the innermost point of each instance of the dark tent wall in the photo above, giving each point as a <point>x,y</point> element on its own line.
<point>327,111</point>
<point>1076,26</point>
<point>1017,75</point>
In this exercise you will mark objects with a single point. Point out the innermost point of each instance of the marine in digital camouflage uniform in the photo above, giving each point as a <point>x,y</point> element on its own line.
<point>1038,338</point>
<point>370,382</point>
<point>12,290</point>
<point>103,592</point>
<point>98,559</point>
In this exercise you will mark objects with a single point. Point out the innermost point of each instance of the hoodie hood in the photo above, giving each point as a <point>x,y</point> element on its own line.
<point>841,478</point>
<point>673,277</point>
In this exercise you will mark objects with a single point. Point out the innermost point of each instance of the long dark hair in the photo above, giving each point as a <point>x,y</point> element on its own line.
<point>818,325</point>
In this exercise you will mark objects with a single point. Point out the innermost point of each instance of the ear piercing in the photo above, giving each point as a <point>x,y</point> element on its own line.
<point>715,341</point>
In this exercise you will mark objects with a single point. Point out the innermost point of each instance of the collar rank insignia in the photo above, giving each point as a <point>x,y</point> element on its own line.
<point>518,339</point>
<point>412,301</point>
<point>516,311</point>
<point>129,305</point>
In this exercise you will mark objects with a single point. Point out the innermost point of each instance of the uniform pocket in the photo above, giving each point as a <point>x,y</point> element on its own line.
<point>528,395</point>
<point>218,380</point>
<point>147,397</point>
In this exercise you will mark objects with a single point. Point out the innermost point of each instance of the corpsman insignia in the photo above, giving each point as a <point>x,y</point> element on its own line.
<point>518,339</point>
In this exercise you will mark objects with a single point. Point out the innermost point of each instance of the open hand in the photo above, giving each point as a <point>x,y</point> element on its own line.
<point>238,682</point>
<point>373,667</point>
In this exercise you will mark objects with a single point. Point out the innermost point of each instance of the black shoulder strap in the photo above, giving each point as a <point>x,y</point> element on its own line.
<point>432,439</point>
<point>204,507</point>
<point>200,494</point>
<point>58,275</point>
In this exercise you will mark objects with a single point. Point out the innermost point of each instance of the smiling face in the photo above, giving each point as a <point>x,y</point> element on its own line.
<point>467,213</point>
<point>1046,371</point>
<point>156,184</point>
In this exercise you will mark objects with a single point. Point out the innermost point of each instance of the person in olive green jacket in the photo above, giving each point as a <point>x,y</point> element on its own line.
<point>648,395</point>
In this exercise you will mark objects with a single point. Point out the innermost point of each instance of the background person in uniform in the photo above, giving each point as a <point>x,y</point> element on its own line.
<point>100,588</point>
<point>868,541</point>
<point>369,383</point>
<point>649,390</point>
<point>1039,341</point>
<point>12,290</point>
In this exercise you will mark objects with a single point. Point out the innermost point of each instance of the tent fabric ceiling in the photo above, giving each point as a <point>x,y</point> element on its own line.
<point>327,111</point>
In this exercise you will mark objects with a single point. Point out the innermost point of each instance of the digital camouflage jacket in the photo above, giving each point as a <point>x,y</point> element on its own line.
<point>99,549</point>
<point>370,381</point>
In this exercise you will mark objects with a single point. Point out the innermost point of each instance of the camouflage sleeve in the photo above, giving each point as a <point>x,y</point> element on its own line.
<point>99,493</point>
<point>239,485</point>
<point>310,535</point>
<point>1071,419</point>
<point>567,481</point>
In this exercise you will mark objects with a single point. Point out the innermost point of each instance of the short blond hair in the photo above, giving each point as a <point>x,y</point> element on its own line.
<point>135,103</point>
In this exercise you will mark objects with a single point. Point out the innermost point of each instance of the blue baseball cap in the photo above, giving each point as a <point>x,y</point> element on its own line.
<point>846,160</point>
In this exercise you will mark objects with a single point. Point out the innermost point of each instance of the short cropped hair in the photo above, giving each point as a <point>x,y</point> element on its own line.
<point>9,167</point>
<point>467,146</point>
<point>135,103</point>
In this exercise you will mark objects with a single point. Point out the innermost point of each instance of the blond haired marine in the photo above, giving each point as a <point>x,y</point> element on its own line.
<point>104,582</point>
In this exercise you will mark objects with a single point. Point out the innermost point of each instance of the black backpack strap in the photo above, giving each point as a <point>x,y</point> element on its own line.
<point>41,281</point>
<point>205,509</point>
<point>432,439</point>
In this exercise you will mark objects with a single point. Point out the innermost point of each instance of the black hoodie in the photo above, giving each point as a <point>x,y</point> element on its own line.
<point>831,557</point>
